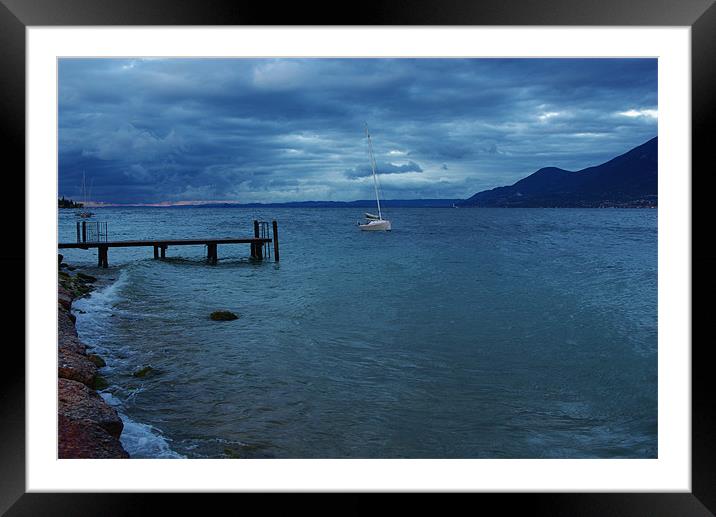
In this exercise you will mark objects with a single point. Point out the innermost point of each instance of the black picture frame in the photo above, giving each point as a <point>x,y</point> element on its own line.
<point>700,15</point>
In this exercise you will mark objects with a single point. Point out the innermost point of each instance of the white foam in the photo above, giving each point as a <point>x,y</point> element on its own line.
<point>106,296</point>
<point>93,313</point>
<point>93,310</point>
<point>144,441</point>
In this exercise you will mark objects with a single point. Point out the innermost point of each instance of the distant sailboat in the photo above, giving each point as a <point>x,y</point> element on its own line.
<point>374,222</point>
<point>84,213</point>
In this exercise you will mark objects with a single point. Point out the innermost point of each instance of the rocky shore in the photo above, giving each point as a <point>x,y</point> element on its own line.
<point>88,427</point>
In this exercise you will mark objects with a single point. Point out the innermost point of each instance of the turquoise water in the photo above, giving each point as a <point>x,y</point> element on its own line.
<point>463,333</point>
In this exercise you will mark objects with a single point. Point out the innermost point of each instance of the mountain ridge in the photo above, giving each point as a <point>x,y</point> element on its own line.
<point>627,180</point>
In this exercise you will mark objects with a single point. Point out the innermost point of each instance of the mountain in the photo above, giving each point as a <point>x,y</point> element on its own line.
<point>629,180</point>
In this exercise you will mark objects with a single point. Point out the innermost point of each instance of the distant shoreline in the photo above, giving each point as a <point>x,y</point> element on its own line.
<point>371,204</point>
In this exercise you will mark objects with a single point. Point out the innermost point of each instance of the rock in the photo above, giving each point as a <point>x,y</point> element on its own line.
<point>100,383</point>
<point>64,297</point>
<point>223,316</point>
<point>79,289</point>
<point>97,360</point>
<point>82,277</point>
<point>72,286</point>
<point>77,402</point>
<point>70,343</point>
<point>83,439</point>
<point>142,371</point>
<point>64,322</point>
<point>231,453</point>
<point>67,333</point>
<point>76,367</point>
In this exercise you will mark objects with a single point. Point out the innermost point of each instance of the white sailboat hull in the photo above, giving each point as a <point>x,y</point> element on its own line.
<point>376,226</point>
<point>374,223</point>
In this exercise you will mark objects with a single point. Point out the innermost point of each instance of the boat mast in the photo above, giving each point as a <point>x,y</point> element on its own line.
<point>372,165</point>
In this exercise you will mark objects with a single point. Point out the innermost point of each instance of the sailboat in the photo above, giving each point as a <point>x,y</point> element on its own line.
<point>374,222</point>
<point>84,213</point>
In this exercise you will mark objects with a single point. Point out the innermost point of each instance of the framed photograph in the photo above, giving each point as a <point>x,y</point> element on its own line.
<point>483,282</point>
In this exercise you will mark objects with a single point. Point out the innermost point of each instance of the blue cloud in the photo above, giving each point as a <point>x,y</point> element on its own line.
<point>383,168</point>
<point>151,130</point>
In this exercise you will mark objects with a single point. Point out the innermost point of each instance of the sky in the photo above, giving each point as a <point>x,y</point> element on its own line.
<point>149,130</point>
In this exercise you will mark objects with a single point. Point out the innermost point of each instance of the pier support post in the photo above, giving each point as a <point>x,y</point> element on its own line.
<point>164,252</point>
<point>255,246</point>
<point>211,253</point>
<point>156,252</point>
<point>102,260</point>
<point>84,231</point>
<point>275,241</point>
<point>78,232</point>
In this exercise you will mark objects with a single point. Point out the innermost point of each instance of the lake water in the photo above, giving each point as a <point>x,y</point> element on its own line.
<point>463,333</point>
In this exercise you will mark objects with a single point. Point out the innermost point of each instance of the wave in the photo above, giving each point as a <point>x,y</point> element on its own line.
<point>93,311</point>
<point>93,314</point>
<point>140,440</point>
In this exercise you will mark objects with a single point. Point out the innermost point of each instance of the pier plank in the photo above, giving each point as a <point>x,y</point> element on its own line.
<point>160,243</point>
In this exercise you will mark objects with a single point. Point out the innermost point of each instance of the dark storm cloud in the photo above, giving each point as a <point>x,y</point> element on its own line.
<point>151,130</point>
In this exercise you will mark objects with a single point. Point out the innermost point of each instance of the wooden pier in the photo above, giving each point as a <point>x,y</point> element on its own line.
<point>257,242</point>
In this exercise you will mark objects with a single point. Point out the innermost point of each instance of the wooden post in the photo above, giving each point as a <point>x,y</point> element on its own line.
<point>84,231</point>
<point>259,251</point>
<point>103,261</point>
<point>254,246</point>
<point>156,252</point>
<point>164,252</point>
<point>99,256</point>
<point>78,231</point>
<point>211,253</point>
<point>275,241</point>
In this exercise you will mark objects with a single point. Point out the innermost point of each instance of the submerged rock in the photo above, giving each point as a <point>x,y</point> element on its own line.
<point>82,277</point>
<point>100,383</point>
<point>73,286</point>
<point>97,360</point>
<point>223,316</point>
<point>142,371</point>
<point>231,453</point>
